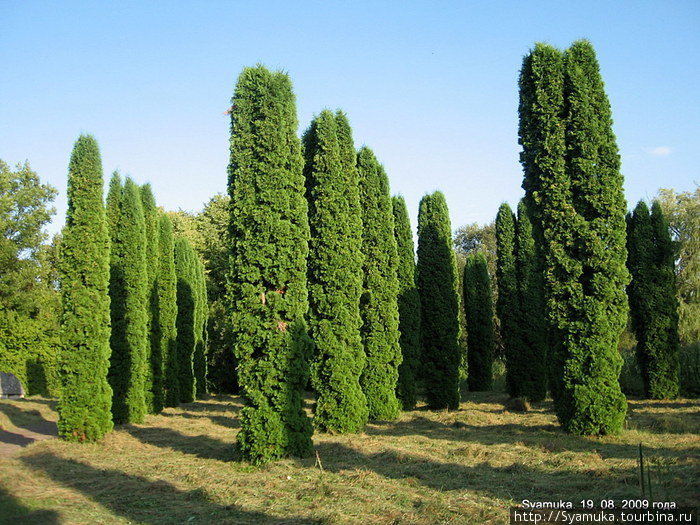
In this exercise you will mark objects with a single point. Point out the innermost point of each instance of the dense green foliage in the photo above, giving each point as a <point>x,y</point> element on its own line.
<point>268,235</point>
<point>29,301</point>
<point>409,306</point>
<point>211,226</point>
<point>128,292</point>
<point>682,210</point>
<point>185,272</point>
<point>532,325</point>
<point>153,379</point>
<point>437,282</point>
<point>201,314</point>
<point>574,188</point>
<point>508,303</point>
<point>165,308</point>
<point>335,274</point>
<point>478,306</point>
<point>378,303</point>
<point>84,407</point>
<point>652,297</point>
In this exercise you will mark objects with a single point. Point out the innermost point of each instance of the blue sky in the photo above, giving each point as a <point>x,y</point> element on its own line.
<point>431,87</point>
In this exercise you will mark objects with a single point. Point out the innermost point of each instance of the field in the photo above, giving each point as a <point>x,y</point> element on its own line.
<point>465,466</point>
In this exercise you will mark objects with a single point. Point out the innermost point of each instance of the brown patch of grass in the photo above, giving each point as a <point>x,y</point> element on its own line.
<point>465,466</point>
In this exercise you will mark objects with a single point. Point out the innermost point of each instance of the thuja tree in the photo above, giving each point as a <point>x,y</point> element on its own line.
<point>574,188</point>
<point>478,307</point>
<point>378,303</point>
<point>199,358</point>
<point>335,274</point>
<point>508,304</point>
<point>128,291</point>
<point>185,272</point>
<point>652,297</point>
<point>532,326</point>
<point>84,407</point>
<point>268,235</point>
<point>154,363</point>
<point>409,305</point>
<point>166,285</point>
<point>437,281</point>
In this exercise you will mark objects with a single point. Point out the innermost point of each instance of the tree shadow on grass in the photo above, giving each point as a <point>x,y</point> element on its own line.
<point>141,500</point>
<point>517,481</point>
<point>30,419</point>
<point>550,438</point>
<point>13,512</point>
<point>222,421</point>
<point>202,446</point>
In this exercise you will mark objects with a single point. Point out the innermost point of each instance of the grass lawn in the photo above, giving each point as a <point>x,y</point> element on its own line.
<point>465,466</point>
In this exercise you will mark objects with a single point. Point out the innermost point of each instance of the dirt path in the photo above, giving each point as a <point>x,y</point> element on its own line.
<point>11,442</point>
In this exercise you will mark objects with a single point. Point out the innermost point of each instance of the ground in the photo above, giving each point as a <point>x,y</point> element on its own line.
<point>465,466</point>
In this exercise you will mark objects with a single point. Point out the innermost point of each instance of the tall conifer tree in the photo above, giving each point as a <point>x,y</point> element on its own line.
<point>84,407</point>
<point>508,304</point>
<point>478,306</point>
<point>532,325</point>
<point>409,306</point>
<point>154,364</point>
<point>185,271</point>
<point>128,290</point>
<point>269,233</point>
<point>167,311</point>
<point>199,360</point>
<point>653,303</point>
<point>574,188</point>
<point>335,274</point>
<point>378,303</point>
<point>437,281</point>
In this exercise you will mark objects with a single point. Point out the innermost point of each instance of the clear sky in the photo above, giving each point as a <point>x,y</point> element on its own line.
<point>430,86</point>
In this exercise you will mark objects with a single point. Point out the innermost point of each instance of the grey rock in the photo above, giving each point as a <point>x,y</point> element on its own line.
<point>10,386</point>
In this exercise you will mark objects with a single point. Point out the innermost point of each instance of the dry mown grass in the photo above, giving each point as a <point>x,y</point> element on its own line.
<point>465,466</point>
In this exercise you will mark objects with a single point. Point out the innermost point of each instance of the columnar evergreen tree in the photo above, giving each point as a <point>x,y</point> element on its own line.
<point>478,306</point>
<point>166,282</point>
<point>185,272</point>
<point>508,304</point>
<point>335,274</point>
<point>154,364</point>
<point>199,359</point>
<point>532,316</point>
<point>84,407</point>
<point>128,291</point>
<point>409,305</point>
<point>378,303</point>
<point>437,281</point>
<point>652,296</point>
<point>574,188</point>
<point>269,233</point>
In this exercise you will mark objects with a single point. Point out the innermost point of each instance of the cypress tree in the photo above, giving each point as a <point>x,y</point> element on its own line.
<point>574,188</point>
<point>154,363</point>
<point>652,296</point>
<point>409,305</point>
<point>185,272</point>
<point>84,407</point>
<point>167,311</point>
<point>268,235</point>
<point>437,281</point>
<point>128,290</point>
<point>478,306</point>
<point>532,326</point>
<point>335,274</point>
<point>378,303</point>
<point>508,304</point>
<point>199,359</point>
